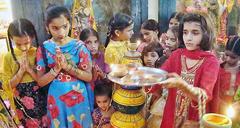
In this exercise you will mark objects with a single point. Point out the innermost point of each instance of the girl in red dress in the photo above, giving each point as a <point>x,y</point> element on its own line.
<point>229,73</point>
<point>193,72</point>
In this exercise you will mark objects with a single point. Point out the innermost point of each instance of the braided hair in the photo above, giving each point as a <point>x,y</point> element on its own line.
<point>20,27</point>
<point>119,21</point>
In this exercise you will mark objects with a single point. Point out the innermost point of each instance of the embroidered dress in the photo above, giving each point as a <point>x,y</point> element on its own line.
<point>182,101</point>
<point>29,99</point>
<point>68,98</point>
<point>98,118</point>
<point>205,77</point>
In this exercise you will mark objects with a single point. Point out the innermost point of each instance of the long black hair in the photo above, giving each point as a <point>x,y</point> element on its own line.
<point>119,21</point>
<point>19,28</point>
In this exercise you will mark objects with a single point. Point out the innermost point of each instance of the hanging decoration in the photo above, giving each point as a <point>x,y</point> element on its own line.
<point>83,17</point>
<point>225,7</point>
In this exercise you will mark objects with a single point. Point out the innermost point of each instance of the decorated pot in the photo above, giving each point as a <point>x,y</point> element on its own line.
<point>131,57</point>
<point>128,101</point>
<point>121,120</point>
<point>213,120</point>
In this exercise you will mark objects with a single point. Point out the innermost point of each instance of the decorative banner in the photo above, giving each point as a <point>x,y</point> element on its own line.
<point>83,17</point>
<point>225,7</point>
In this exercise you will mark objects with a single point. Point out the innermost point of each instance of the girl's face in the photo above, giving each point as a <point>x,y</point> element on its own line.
<point>171,41</point>
<point>103,102</point>
<point>59,28</point>
<point>23,43</point>
<point>231,58</point>
<point>192,35</point>
<point>149,35</point>
<point>150,58</point>
<point>92,44</point>
<point>173,22</point>
<point>126,33</point>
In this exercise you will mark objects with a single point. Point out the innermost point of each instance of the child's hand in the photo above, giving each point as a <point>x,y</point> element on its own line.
<point>62,61</point>
<point>97,72</point>
<point>23,63</point>
<point>173,81</point>
<point>57,59</point>
<point>163,39</point>
<point>100,72</point>
<point>26,62</point>
<point>167,52</point>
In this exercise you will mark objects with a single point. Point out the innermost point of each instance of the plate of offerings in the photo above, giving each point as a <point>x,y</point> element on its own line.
<point>135,75</point>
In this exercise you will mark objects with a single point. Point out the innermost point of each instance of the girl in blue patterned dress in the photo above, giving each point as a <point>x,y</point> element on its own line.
<point>65,64</point>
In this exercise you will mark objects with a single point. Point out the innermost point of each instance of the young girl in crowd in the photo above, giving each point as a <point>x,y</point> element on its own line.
<point>229,74</point>
<point>174,20</point>
<point>151,54</point>
<point>91,39</point>
<point>103,95</point>
<point>149,31</point>
<point>120,30</point>
<point>70,67</point>
<point>171,44</point>
<point>19,75</point>
<point>193,72</point>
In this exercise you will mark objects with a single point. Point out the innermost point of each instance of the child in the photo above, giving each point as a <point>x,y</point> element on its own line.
<point>174,20</point>
<point>120,30</point>
<point>90,37</point>
<point>172,40</point>
<point>229,73</point>
<point>149,31</point>
<point>103,95</point>
<point>171,44</point>
<point>193,72</point>
<point>19,75</point>
<point>151,54</point>
<point>70,67</point>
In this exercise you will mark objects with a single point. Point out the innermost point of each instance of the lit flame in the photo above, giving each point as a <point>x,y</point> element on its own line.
<point>138,42</point>
<point>230,112</point>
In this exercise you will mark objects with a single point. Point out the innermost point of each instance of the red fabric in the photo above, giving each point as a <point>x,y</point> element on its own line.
<point>205,78</point>
<point>225,84</point>
<point>225,80</point>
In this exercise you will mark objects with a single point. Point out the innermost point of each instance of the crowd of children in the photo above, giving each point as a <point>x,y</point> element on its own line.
<point>63,82</point>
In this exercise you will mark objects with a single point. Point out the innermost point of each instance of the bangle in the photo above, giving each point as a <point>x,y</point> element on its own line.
<point>53,72</point>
